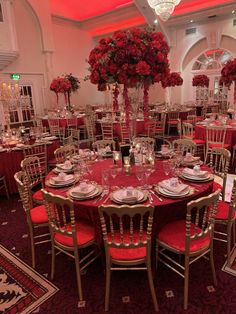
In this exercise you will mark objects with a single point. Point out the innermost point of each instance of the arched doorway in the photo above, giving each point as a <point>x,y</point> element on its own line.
<point>211,63</point>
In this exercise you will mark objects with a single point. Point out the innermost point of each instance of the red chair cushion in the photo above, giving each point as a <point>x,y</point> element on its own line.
<point>199,118</point>
<point>173,234</point>
<point>223,211</point>
<point>127,254</point>
<point>38,196</point>
<point>84,234</point>
<point>198,141</point>
<point>227,146</point>
<point>216,186</point>
<point>38,214</point>
<point>173,121</point>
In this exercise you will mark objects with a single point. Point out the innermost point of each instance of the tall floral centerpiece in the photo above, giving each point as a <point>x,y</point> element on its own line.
<point>65,85</point>
<point>202,83</point>
<point>130,57</point>
<point>201,80</point>
<point>174,79</point>
<point>228,75</point>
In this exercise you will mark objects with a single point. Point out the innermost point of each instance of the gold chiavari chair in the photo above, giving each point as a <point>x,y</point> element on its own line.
<point>172,120</point>
<point>226,216</point>
<point>107,130</point>
<point>191,238</point>
<point>39,150</point>
<point>127,245</point>
<point>36,216</point>
<point>62,153</point>
<point>215,137</point>
<point>219,163</point>
<point>188,133</point>
<point>31,166</point>
<point>184,145</point>
<point>101,144</point>
<point>144,141</point>
<point>3,185</point>
<point>160,125</point>
<point>125,133</point>
<point>70,236</point>
<point>54,127</point>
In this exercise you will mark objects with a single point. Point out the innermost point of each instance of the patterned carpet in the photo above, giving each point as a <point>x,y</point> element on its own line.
<point>129,290</point>
<point>22,289</point>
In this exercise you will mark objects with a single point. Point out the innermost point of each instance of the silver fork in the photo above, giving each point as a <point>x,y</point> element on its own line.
<point>158,197</point>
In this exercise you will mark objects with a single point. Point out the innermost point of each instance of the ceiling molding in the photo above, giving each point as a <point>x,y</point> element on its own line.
<point>7,57</point>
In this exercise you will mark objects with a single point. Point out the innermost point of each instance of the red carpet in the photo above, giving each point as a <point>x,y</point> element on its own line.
<point>22,289</point>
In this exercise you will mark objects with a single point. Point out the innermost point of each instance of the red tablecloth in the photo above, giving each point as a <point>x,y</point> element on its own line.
<point>10,164</point>
<point>63,122</point>
<point>165,211</point>
<point>230,138</point>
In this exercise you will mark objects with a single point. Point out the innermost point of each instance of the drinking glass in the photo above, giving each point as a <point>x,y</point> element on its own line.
<point>148,171</point>
<point>140,174</point>
<point>166,167</point>
<point>105,179</point>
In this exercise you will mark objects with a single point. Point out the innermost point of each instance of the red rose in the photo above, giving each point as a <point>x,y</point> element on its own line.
<point>143,68</point>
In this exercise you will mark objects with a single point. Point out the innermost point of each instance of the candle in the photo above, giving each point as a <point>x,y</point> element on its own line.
<point>127,161</point>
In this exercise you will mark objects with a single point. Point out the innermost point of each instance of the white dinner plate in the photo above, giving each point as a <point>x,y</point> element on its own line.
<point>97,191</point>
<point>52,183</point>
<point>209,177</point>
<point>118,196</point>
<point>170,194</point>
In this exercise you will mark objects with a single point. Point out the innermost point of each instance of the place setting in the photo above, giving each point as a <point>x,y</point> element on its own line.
<point>190,161</point>
<point>85,191</point>
<point>61,180</point>
<point>173,188</point>
<point>129,195</point>
<point>66,167</point>
<point>196,174</point>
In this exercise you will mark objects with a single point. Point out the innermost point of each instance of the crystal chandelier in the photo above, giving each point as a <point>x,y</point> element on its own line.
<point>163,8</point>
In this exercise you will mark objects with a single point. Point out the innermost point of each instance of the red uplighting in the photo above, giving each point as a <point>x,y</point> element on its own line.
<point>81,10</point>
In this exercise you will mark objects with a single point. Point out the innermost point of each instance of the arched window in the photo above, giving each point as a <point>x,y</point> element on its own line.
<point>212,60</point>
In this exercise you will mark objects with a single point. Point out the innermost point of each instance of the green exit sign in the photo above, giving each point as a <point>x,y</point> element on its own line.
<point>15,76</point>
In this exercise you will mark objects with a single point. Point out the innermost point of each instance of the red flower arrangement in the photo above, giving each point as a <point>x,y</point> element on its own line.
<point>201,80</point>
<point>65,85</point>
<point>130,57</point>
<point>174,79</point>
<point>228,73</point>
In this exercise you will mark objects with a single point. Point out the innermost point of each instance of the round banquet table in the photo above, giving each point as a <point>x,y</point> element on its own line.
<point>10,163</point>
<point>63,122</point>
<point>230,137</point>
<point>165,211</point>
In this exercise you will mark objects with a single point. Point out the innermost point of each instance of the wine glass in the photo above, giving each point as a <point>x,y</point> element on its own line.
<point>148,172</point>
<point>105,179</point>
<point>140,174</point>
<point>166,167</point>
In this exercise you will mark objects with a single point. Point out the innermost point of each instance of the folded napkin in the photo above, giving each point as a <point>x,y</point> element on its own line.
<point>64,179</point>
<point>49,138</point>
<point>81,193</point>
<point>64,166</point>
<point>191,172</point>
<point>167,185</point>
<point>129,199</point>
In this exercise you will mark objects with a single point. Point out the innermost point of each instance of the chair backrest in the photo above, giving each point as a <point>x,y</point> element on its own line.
<point>125,132</point>
<point>101,144</point>
<point>63,152</point>
<point>54,126</point>
<point>90,128</point>
<point>232,205</point>
<point>173,115</point>
<point>24,190</point>
<point>61,216</point>
<point>71,122</point>
<point>126,226</point>
<point>185,145</point>
<point>187,130</point>
<point>219,162</point>
<point>151,128</point>
<point>144,140</point>
<point>32,168</point>
<point>107,130</point>
<point>200,218</point>
<point>215,135</point>
<point>40,151</point>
